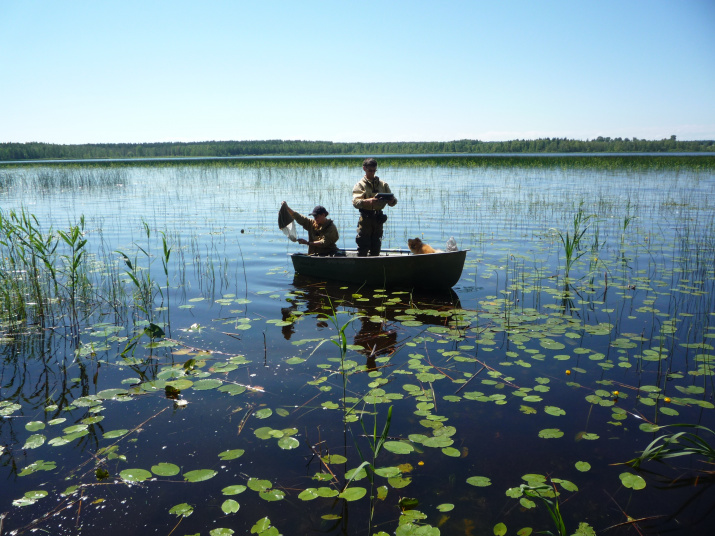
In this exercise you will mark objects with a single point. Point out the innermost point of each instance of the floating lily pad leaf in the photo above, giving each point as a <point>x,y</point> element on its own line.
<point>526,531</point>
<point>668,411</point>
<point>437,442</point>
<point>387,472</point>
<point>527,503</point>
<point>135,475</point>
<point>479,481</point>
<point>452,452</point>
<point>445,507</point>
<point>288,443</point>
<point>57,421</point>
<point>532,398</point>
<point>308,494</point>
<point>232,389</point>
<point>334,458</point>
<point>35,495</point>
<point>583,466</point>
<point>589,436</point>
<point>412,323</point>
<point>553,410</point>
<point>34,441</point>
<point>648,427</point>
<point>23,501</point>
<point>566,484</point>
<point>629,480</point>
<point>272,495</point>
<point>398,482</point>
<point>264,432</point>
<point>165,469</point>
<point>181,384</point>
<point>199,475</point>
<point>75,428</point>
<point>93,420</point>
<point>353,494</point>
<point>183,509</point>
<point>206,384</point>
<point>551,344</point>
<point>259,485</point>
<point>112,434</point>
<point>398,447</point>
<point>109,394</point>
<point>221,532</point>
<point>499,529</point>
<point>326,492</point>
<point>39,465</point>
<point>230,506</point>
<point>34,426</point>
<point>233,490</point>
<point>263,413</point>
<point>295,360</point>
<point>231,454</point>
<point>514,493</point>
<point>550,433</point>
<point>528,410</point>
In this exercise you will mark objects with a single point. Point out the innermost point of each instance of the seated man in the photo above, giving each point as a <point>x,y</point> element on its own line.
<point>322,232</point>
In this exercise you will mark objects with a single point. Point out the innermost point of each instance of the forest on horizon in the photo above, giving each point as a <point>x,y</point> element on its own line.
<point>50,151</point>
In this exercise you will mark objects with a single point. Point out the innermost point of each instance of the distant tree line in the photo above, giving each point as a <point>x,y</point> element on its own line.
<point>43,151</point>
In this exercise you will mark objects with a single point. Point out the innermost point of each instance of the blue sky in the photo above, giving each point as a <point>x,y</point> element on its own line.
<point>149,71</point>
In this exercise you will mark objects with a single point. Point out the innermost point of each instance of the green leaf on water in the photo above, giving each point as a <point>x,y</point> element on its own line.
<point>550,433</point>
<point>256,484</point>
<point>112,434</point>
<point>165,469</point>
<point>499,529</point>
<point>39,465</point>
<point>445,507</point>
<point>398,482</point>
<point>34,426</point>
<point>263,413</point>
<point>34,441</point>
<point>37,494</point>
<point>183,509</point>
<point>629,480</point>
<point>334,458</point>
<point>206,384</point>
<point>231,454</point>
<point>199,475</point>
<point>221,531</point>
<point>272,495</point>
<point>288,443</point>
<point>479,481</point>
<point>308,494</point>
<point>398,447</point>
<point>353,494</point>
<point>230,506</point>
<point>135,475</point>
<point>526,531</point>
<point>452,452</point>
<point>553,410</point>
<point>232,389</point>
<point>233,490</point>
<point>583,466</point>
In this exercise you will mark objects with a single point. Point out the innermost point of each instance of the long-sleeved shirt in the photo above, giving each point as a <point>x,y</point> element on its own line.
<point>325,235</point>
<point>366,189</point>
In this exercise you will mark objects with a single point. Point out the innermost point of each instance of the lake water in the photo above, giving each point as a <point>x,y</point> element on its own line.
<point>244,415</point>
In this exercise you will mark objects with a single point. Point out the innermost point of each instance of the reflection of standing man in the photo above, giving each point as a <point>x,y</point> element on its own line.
<point>369,233</point>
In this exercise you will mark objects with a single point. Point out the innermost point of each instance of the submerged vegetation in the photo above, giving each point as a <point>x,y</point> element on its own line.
<point>162,369</point>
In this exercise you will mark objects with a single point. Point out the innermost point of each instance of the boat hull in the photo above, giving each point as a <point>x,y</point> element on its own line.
<point>393,269</point>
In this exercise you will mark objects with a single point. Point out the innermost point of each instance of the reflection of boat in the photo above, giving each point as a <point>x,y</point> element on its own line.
<point>394,268</point>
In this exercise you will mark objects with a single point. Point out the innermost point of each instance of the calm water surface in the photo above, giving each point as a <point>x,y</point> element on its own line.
<point>516,372</point>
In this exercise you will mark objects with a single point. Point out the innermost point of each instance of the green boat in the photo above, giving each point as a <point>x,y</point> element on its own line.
<point>391,269</point>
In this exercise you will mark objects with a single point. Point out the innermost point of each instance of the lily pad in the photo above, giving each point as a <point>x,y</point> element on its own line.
<point>135,475</point>
<point>199,475</point>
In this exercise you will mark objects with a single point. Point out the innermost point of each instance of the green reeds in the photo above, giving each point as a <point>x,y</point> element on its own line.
<point>571,240</point>
<point>670,446</point>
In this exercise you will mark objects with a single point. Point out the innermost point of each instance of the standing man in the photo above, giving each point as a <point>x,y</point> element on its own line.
<point>370,205</point>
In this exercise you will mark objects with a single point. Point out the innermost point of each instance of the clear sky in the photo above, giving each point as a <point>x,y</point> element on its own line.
<point>147,71</point>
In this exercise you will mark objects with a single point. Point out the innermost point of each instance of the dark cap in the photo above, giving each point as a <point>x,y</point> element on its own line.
<point>317,211</point>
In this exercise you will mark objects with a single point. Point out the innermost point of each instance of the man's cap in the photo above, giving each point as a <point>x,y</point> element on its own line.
<point>317,211</point>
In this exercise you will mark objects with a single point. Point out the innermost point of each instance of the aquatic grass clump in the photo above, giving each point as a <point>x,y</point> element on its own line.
<point>676,445</point>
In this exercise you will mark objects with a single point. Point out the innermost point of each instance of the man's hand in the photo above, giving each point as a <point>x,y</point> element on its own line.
<point>303,241</point>
<point>392,202</point>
